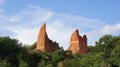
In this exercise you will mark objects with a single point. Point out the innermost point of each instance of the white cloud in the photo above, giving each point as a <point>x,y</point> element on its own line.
<point>108,29</point>
<point>14,19</point>
<point>59,32</point>
<point>26,23</point>
<point>25,35</point>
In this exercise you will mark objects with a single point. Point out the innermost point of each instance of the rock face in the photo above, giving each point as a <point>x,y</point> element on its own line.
<point>44,43</point>
<point>78,44</point>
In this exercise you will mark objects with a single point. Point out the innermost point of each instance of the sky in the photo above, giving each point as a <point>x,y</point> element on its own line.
<point>22,19</point>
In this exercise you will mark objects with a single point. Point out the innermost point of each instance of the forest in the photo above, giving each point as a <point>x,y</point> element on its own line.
<point>105,53</point>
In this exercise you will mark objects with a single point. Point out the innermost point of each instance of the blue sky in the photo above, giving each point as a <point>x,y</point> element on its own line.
<point>22,19</point>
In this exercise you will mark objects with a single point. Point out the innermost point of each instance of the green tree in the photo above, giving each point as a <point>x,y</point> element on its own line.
<point>105,43</point>
<point>33,46</point>
<point>46,60</point>
<point>9,49</point>
<point>115,57</point>
<point>5,63</point>
<point>23,63</point>
<point>58,55</point>
<point>105,50</point>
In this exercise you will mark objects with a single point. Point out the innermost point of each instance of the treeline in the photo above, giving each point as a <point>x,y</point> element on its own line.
<point>105,53</point>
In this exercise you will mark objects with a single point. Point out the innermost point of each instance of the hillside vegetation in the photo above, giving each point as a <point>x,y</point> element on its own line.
<point>105,53</point>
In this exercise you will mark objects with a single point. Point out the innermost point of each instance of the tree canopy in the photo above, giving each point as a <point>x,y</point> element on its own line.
<point>105,53</point>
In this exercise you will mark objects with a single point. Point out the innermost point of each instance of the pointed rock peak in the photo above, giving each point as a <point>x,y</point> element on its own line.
<point>75,35</point>
<point>77,31</point>
<point>44,43</point>
<point>78,44</point>
<point>43,28</point>
<point>44,24</point>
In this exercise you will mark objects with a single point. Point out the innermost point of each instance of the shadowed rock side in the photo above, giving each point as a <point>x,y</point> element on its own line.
<point>78,44</point>
<point>44,43</point>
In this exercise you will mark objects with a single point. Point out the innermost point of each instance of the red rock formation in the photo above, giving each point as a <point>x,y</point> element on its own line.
<point>44,43</point>
<point>78,44</point>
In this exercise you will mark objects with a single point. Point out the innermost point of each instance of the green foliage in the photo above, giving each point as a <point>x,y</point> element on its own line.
<point>23,63</point>
<point>105,53</point>
<point>72,62</point>
<point>5,63</point>
<point>33,46</point>
<point>105,43</point>
<point>115,56</point>
<point>9,47</point>
<point>46,60</point>
<point>58,55</point>
<point>32,59</point>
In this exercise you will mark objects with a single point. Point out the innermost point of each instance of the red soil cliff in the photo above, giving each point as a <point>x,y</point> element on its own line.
<point>44,43</point>
<point>78,44</point>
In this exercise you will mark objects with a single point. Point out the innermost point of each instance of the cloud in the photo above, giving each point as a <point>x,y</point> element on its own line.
<point>25,25</point>
<point>107,29</point>
<point>25,35</point>
<point>59,32</point>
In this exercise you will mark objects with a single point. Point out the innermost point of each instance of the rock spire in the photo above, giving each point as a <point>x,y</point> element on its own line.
<point>78,44</point>
<point>44,43</point>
